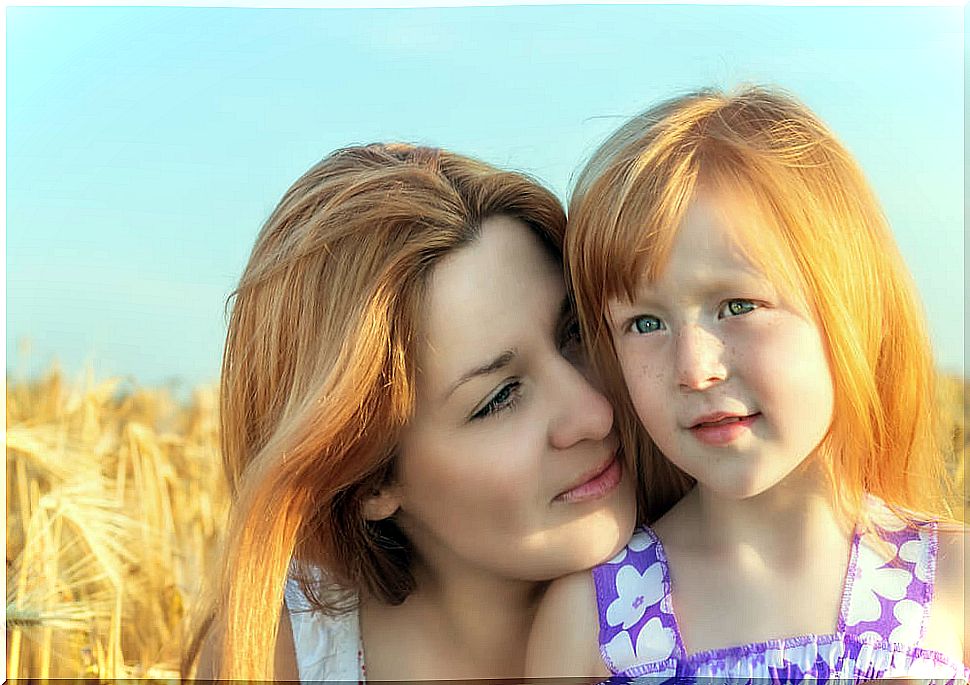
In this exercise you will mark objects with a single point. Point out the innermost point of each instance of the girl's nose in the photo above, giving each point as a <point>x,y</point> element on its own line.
<point>583,412</point>
<point>700,359</point>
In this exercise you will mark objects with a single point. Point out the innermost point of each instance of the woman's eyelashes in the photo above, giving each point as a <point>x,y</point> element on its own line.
<point>506,398</point>
<point>570,340</point>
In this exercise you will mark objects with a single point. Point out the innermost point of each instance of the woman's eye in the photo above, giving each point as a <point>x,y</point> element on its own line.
<point>736,308</point>
<point>646,324</point>
<point>503,399</point>
<point>570,340</point>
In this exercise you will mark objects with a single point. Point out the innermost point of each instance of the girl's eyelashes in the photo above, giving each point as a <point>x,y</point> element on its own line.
<point>645,323</point>
<point>506,398</point>
<point>736,307</point>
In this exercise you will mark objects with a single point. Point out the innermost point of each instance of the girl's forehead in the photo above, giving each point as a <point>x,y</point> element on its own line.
<point>724,232</point>
<point>717,220</point>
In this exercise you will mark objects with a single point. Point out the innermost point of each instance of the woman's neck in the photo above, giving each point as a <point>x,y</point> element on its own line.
<point>478,608</point>
<point>460,622</point>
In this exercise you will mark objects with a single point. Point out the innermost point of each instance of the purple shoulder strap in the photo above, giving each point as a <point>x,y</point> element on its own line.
<point>636,623</point>
<point>889,583</point>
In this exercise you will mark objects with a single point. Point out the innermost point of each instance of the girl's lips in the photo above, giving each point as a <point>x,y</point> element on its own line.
<point>724,430</point>
<point>598,486</point>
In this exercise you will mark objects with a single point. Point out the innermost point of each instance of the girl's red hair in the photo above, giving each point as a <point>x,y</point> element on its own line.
<point>830,245</point>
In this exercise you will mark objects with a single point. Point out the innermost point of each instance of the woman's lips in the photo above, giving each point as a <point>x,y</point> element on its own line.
<point>598,485</point>
<point>718,431</point>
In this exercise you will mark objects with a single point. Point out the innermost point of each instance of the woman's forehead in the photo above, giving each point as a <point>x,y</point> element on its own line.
<point>495,294</point>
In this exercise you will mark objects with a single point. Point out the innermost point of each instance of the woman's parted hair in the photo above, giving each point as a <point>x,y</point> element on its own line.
<point>318,376</point>
<point>831,247</point>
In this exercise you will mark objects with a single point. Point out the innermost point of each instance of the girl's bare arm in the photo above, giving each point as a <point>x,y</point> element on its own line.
<point>564,639</point>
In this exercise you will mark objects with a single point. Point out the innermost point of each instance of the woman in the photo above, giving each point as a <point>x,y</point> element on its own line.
<point>406,436</point>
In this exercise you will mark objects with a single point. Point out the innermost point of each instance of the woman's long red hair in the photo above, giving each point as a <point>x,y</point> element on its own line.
<point>317,379</point>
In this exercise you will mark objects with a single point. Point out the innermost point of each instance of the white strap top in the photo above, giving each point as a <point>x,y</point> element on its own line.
<point>327,647</point>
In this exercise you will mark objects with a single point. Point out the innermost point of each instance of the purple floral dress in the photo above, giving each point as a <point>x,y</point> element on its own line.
<point>881,623</point>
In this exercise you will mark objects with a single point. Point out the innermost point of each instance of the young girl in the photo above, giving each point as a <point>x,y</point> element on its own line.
<point>743,295</point>
<point>412,450</point>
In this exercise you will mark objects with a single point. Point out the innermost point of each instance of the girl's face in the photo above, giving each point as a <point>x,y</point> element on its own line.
<point>730,378</point>
<point>510,461</point>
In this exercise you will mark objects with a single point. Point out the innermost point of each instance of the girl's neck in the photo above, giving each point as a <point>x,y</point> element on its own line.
<point>784,522</point>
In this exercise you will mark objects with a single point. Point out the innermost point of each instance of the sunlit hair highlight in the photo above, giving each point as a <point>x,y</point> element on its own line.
<point>824,241</point>
<point>318,378</point>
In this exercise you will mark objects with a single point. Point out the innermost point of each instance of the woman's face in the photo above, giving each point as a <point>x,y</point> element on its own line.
<point>509,463</point>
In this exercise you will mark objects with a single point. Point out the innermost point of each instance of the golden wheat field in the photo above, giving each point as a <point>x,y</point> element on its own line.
<point>115,503</point>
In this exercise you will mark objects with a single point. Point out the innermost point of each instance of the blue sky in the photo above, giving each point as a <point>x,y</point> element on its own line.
<point>145,146</point>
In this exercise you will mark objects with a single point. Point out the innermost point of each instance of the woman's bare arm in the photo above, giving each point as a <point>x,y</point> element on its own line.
<point>285,657</point>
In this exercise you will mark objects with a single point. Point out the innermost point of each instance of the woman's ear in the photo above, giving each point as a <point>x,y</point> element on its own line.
<point>383,503</point>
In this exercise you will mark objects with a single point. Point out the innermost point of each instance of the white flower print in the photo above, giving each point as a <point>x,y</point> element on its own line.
<point>871,582</point>
<point>666,605</point>
<point>620,651</point>
<point>635,593</point>
<point>831,652</point>
<point>870,636</point>
<point>910,614</point>
<point>639,542</point>
<point>654,643</point>
<point>775,657</point>
<point>913,552</point>
<point>804,656</point>
<point>734,670</point>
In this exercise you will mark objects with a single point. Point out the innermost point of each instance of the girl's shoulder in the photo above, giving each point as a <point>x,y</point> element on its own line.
<point>948,616</point>
<point>563,641</point>
<point>946,561</point>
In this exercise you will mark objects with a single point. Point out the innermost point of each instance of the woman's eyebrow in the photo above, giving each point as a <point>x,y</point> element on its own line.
<point>499,362</point>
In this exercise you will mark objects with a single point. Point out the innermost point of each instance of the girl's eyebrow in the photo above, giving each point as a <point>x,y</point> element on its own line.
<point>704,285</point>
<point>737,286</point>
<point>734,279</point>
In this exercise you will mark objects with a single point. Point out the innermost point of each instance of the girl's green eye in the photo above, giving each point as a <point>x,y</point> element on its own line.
<point>646,324</point>
<point>737,307</point>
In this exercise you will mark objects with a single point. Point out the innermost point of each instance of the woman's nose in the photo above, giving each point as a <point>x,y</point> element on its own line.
<point>584,412</point>
<point>699,359</point>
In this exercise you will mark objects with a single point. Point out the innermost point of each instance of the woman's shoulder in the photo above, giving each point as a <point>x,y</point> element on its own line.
<point>326,644</point>
<point>339,615</point>
<point>309,588</point>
